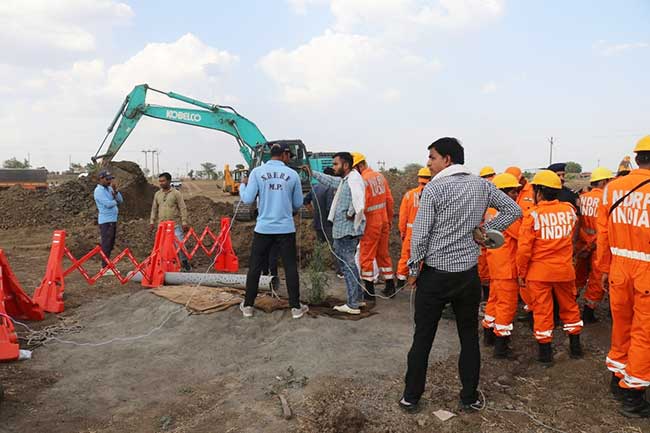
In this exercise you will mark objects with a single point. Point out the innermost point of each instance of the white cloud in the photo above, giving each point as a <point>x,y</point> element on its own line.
<point>489,87</point>
<point>324,68</point>
<point>606,49</point>
<point>42,26</point>
<point>301,6</point>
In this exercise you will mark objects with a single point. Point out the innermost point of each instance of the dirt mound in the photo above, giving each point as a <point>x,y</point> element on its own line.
<point>72,203</point>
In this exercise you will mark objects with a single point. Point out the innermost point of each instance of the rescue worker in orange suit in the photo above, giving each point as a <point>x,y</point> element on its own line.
<point>624,258</point>
<point>587,273</point>
<point>504,288</point>
<point>407,212</point>
<point>486,173</point>
<point>545,264</point>
<point>379,219</point>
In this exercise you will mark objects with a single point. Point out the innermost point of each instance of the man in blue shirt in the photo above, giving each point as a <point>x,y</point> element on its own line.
<point>280,195</point>
<point>107,199</point>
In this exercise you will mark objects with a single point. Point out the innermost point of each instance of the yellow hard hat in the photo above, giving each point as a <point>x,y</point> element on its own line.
<point>424,172</point>
<point>601,173</point>
<point>548,179</point>
<point>643,145</point>
<point>505,180</point>
<point>487,171</point>
<point>357,158</point>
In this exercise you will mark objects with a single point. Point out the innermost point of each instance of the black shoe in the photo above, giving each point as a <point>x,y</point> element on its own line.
<point>545,353</point>
<point>369,293</point>
<point>575,347</point>
<point>389,290</point>
<point>634,404</point>
<point>400,284</point>
<point>588,315</point>
<point>408,406</point>
<point>488,337</point>
<point>615,389</point>
<point>471,407</point>
<point>501,348</point>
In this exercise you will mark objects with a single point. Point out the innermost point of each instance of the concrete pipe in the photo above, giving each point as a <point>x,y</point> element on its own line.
<point>235,281</point>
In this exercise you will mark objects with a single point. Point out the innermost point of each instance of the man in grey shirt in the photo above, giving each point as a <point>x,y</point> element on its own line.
<point>447,235</point>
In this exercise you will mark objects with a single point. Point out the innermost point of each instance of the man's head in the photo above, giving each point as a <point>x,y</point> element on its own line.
<point>642,151</point>
<point>424,176</point>
<point>558,168</point>
<point>105,177</point>
<point>282,152</point>
<point>445,152</point>
<point>600,177</point>
<point>165,180</point>
<point>546,185</point>
<point>342,164</point>
<point>359,161</point>
<point>507,183</point>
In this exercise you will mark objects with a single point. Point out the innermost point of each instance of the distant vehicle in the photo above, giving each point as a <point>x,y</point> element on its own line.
<point>176,183</point>
<point>35,179</point>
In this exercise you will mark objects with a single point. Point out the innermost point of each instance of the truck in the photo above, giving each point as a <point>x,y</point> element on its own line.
<point>34,179</point>
<point>253,146</point>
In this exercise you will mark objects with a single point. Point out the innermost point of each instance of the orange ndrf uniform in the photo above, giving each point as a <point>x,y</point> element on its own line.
<point>504,288</point>
<point>545,261</point>
<point>407,212</point>
<point>587,273</point>
<point>379,217</point>
<point>624,253</point>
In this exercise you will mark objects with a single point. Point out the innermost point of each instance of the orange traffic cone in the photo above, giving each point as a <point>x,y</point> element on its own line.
<point>9,348</point>
<point>13,299</point>
<point>163,256</point>
<point>227,260</point>
<point>49,295</point>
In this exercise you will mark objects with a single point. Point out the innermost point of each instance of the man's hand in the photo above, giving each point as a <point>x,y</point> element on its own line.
<point>349,217</point>
<point>244,180</point>
<point>479,236</point>
<point>604,281</point>
<point>412,281</point>
<point>521,281</point>
<point>306,169</point>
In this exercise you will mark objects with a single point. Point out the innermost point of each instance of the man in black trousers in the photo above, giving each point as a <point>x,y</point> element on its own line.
<point>447,235</point>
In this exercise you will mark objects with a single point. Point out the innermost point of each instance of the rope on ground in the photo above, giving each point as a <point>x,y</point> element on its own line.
<point>484,406</point>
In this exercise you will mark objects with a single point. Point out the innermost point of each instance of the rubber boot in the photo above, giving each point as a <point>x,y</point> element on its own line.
<point>369,293</point>
<point>634,404</point>
<point>588,315</point>
<point>501,348</point>
<point>575,347</point>
<point>488,337</point>
<point>545,353</point>
<point>389,290</point>
<point>400,283</point>
<point>615,389</point>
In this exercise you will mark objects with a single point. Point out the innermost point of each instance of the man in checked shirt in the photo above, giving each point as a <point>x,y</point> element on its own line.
<point>447,236</point>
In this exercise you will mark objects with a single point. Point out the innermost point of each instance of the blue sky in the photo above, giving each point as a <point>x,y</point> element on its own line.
<point>384,77</point>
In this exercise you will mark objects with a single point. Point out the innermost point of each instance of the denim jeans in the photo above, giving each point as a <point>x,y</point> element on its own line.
<point>345,249</point>
<point>178,231</point>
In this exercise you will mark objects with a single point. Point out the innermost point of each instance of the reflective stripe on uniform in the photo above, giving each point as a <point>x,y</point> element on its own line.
<point>409,225</point>
<point>615,366</point>
<point>568,327</point>
<point>376,207</point>
<point>540,335</point>
<point>386,269</point>
<point>367,273</point>
<point>635,382</point>
<point>488,318</point>
<point>637,255</point>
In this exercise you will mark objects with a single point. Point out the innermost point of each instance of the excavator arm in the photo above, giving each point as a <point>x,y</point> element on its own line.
<point>210,116</point>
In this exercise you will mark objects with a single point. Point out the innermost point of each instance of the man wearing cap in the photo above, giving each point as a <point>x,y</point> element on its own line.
<point>107,199</point>
<point>565,195</point>
<point>280,195</point>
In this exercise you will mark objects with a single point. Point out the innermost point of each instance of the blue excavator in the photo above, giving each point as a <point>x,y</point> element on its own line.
<point>253,146</point>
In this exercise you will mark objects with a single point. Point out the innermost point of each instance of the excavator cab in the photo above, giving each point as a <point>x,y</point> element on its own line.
<point>301,158</point>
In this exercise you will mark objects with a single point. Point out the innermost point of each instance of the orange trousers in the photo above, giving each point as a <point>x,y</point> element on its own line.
<point>588,276</point>
<point>539,295</point>
<point>501,306</point>
<point>374,246</point>
<point>483,269</point>
<point>402,268</point>
<point>629,294</point>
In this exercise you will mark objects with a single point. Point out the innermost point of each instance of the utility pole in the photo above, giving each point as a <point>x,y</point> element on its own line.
<point>381,165</point>
<point>550,157</point>
<point>158,161</point>
<point>146,159</point>
<point>153,163</point>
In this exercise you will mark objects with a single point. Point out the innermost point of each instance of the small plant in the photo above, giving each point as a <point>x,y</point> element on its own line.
<point>317,276</point>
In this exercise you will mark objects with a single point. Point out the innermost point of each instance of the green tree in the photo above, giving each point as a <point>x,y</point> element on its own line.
<point>75,168</point>
<point>14,163</point>
<point>573,167</point>
<point>412,168</point>
<point>209,170</point>
<point>190,174</point>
